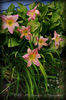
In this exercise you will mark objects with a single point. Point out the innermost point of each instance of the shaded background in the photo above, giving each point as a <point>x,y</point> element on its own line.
<point>4,4</point>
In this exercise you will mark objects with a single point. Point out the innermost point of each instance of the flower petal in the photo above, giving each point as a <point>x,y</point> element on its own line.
<point>29,63</point>
<point>37,12</point>
<point>45,39</point>
<point>35,43</point>
<point>26,57</point>
<point>28,28</point>
<point>29,50</point>
<point>45,44</point>
<point>28,37</point>
<point>28,13</point>
<point>11,29</point>
<point>21,35</point>
<point>33,17</point>
<point>4,26</point>
<point>29,18</point>
<point>56,44</point>
<point>38,56</point>
<point>55,34</point>
<point>40,46</point>
<point>61,39</point>
<point>23,27</point>
<point>16,24</point>
<point>4,18</point>
<point>35,51</point>
<point>41,37</point>
<point>53,38</point>
<point>36,62</point>
<point>35,7</point>
<point>15,17</point>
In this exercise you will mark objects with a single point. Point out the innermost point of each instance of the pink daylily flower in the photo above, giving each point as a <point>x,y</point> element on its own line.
<point>32,13</point>
<point>25,31</point>
<point>10,22</point>
<point>57,39</point>
<point>41,41</point>
<point>32,57</point>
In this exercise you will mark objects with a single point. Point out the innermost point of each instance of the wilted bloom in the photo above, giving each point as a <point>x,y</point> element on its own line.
<point>32,57</point>
<point>57,39</point>
<point>41,41</point>
<point>32,13</point>
<point>9,22</point>
<point>25,31</point>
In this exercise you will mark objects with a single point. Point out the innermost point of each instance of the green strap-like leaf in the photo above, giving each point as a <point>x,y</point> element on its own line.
<point>34,79</point>
<point>11,8</point>
<point>12,42</point>
<point>45,76</point>
<point>30,81</point>
<point>17,87</point>
<point>22,7</point>
<point>27,86</point>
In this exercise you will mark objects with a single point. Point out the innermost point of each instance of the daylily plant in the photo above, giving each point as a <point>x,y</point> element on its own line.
<point>10,22</point>
<point>28,59</point>
<point>32,13</point>
<point>32,57</point>
<point>57,39</point>
<point>25,31</point>
<point>41,41</point>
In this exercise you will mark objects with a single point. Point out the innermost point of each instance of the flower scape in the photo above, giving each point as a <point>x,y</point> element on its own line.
<point>31,43</point>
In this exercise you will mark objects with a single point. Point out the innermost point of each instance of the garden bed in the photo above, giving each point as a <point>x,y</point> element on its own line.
<point>32,45</point>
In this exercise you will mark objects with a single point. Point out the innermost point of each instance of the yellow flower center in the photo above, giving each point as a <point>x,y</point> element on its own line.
<point>10,22</point>
<point>32,13</point>
<point>32,56</point>
<point>41,42</point>
<point>25,32</point>
<point>57,46</point>
<point>57,39</point>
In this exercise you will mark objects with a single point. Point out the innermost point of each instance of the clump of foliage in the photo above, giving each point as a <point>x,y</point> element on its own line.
<point>15,76</point>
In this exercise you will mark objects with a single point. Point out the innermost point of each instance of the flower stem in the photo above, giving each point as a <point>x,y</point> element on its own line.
<point>31,45</point>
